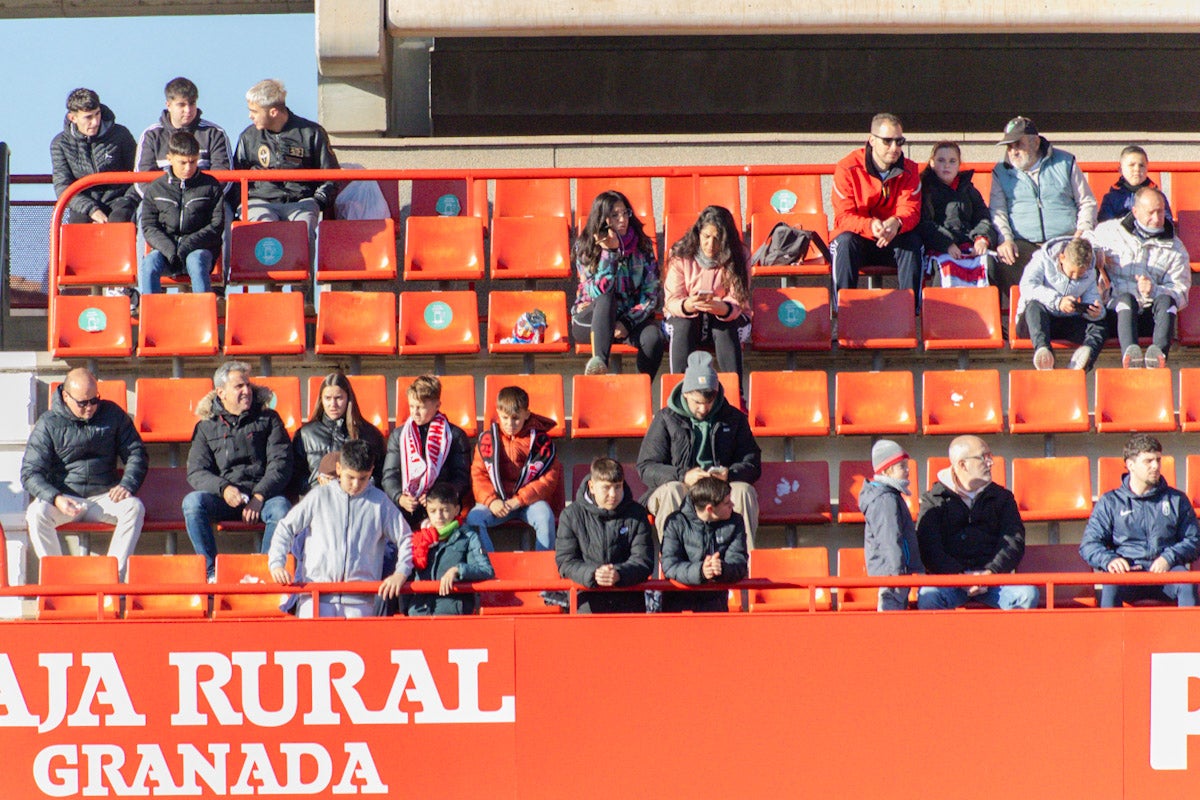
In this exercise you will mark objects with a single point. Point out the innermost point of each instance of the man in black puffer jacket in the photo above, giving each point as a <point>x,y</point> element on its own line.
<point>92,141</point>
<point>605,539</point>
<point>70,468</point>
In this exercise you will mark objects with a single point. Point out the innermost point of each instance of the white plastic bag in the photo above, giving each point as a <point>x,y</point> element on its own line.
<point>361,200</point>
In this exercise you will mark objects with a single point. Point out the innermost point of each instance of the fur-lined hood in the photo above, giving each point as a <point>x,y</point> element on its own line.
<point>210,407</point>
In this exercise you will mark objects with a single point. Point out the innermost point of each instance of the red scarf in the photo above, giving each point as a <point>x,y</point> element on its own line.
<point>537,463</point>
<point>426,538</point>
<point>420,466</point>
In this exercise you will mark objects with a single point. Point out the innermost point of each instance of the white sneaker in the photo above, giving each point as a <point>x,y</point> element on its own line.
<point>1079,359</point>
<point>1132,357</point>
<point>1043,358</point>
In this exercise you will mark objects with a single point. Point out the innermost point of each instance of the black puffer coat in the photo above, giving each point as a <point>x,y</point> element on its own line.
<point>180,217</point>
<point>73,156</point>
<point>250,451</point>
<point>319,437</point>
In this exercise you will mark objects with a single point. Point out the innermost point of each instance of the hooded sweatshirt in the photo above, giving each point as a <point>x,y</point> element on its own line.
<point>74,156</point>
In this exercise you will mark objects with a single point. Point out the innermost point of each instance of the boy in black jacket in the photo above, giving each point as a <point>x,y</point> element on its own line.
<point>704,542</point>
<point>183,216</point>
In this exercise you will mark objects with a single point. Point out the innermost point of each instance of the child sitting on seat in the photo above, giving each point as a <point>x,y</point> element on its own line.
<point>1118,200</point>
<point>955,226</point>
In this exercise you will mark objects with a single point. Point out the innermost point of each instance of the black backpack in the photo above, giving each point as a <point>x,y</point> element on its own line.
<point>787,244</point>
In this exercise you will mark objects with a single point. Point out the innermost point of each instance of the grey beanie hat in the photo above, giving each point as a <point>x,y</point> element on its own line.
<point>700,375</point>
<point>885,453</point>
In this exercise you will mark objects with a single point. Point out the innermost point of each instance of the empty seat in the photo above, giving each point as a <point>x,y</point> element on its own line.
<point>789,403</point>
<point>91,326</point>
<point>961,401</point>
<point>794,493</point>
<point>250,568</point>
<point>532,197</point>
<point>690,194</point>
<point>814,262</point>
<point>162,494</point>
<point>581,471</point>
<point>166,570</point>
<point>1110,470</point>
<point>1134,400</point>
<point>166,407</point>
<point>610,405</point>
<point>935,464</point>
<point>530,247</point>
<point>637,191</point>
<point>784,194</point>
<point>285,399</point>
<point>90,254</point>
<point>851,477</point>
<point>517,566</point>
<point>1188,320</point>
<point>1189,399</point>
<point>545,398</point>
<point>178,325</point>
<point>874,403</point>
<point>449,197</point>
<point>730,383</point>
<point>788,564</point>
<point>1193,480</point>
<point>458,401</point>
<point>852,563</point>
<point>1185,205</point>
<point>505,308</point>
<point>443,249</point>
<point>356,250</point>
<point>962,318</point>
<point>876,319</point>
<point>358,323</point>
<point>114,390</point>
<point>1050,558</point>
<point>438,322</point>
<point>369,390</point>
<point>1047,401</point>
<point>792,318</point>
<point>1053,488</point>
<point>264,323</point>
<point>268,252</point>
<point>83,571</point>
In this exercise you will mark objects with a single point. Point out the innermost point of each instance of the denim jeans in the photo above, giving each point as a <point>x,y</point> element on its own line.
<point>202,510</point>
<point>995,596</point>
<point>1184,594</point>
<point>538,516</point>
<point>199,268</point>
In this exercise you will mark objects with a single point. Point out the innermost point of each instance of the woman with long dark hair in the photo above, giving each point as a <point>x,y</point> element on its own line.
<point>336,420</point>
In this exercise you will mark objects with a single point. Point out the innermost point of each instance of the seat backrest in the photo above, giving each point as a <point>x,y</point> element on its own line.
<point>789,403</point>
<point>521,565</point>
<point>505,308</point>
<point>794,493</point>
<point>458,401</point>
<point>166,569</point>
<point>791,318</point>
<point>369,390</point>
<point>961,318</point>
<point>248,568</point>
<point>1110,470</point>
<point>730,382</point>
<point>438,322</point>
<point>763,222</point>
<point>851,477</point>
<point>690,194</point>
<point>852,563</point>
<point>166,407</point>
<point>784,194</point>
<point>935,464</point>
<point>1185,205</point>
<point>91,326</point>
<point>181,324</point>
<point>875,403</point>
<point>114,390</point>
<point>876,318</point>
<point>443,249</point>
<point>1188,320</point>
<point>1134,400</point>
<point>430,198</point>
<point>1040,558</point>
<point>610,405</point>
<point>526,248</point>
<point>162,494</point>
<point>961,401</point>
<point>1053,488</point>
<point>545,398</point>
<point>83,570</point>
<point>92,254</point>
<point>357,250</point>
<point>785,563</point>
<point>360,323</point>
<point>638,191</point>
<point>268,252</point>
<point>1047,401</point>
<point>285,399</point>
<point>264,323</point>
<point>533,197</point>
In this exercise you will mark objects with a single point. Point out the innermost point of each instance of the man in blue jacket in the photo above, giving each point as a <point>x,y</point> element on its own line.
<point>1143,525</point>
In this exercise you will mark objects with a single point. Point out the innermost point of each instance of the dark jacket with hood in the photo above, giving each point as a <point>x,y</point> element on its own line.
<point>677,442</point>
<point>74,156</point>
<point>955,539</point>
<point>319,437</point>
<point>687,539</point>
<point>590,536</point>
<point>300,144</point>
<point>180,217</point>
<point>463,549</point>
<point>250,451</point>
<point>954,214</point>
<point>1140,528</point>
<point>70,455</point>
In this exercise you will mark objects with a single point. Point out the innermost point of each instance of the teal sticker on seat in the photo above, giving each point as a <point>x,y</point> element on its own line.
<point>784,201</point>
<point>92,320</point>
<point>792,313</point>
<point>438,315</point>
<point>273,402</point>
<point>448,206</point>
<point>268,251</point>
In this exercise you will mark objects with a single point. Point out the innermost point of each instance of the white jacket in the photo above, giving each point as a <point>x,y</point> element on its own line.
<point>1163,259</point>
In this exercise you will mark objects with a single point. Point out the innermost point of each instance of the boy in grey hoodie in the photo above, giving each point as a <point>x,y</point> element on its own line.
<point>890,535</point>
<point>1060,299</point>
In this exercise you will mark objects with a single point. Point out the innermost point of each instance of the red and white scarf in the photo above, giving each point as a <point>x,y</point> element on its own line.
<point>421,465</point>
<point>537,463</point>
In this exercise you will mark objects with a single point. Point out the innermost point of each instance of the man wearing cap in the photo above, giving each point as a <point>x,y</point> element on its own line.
<point>699,433</point>
<point>1038,193</point>
<point>876,207</point>
<point>890,536</point>
<point>970,525</point>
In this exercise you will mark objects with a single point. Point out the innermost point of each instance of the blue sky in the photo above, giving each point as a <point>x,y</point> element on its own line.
<point>128,60</point>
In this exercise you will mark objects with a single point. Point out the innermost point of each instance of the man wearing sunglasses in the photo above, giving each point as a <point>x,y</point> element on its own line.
<point>876,207</point>
<point>70,468</point>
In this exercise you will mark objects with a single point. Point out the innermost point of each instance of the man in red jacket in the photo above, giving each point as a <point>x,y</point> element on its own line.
<point>876,208</point>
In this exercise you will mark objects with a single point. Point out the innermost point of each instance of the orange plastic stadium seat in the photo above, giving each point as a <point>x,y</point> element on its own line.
<point>730,383</point>
<point>533,197</point>
<point>814,263</point>
<point>285,399</point>
<point>162,494</point>
<point>785,564</point>
<point>90,254</point>
<point>545,398</point>
<point>784,194</point>
<point>458,401</point>
<point>794,493</point>
<point>581,471</point>
<point>961,401</point>
<point>82,570</point>
<point>361,323</point>
<point>964,318</point>
<point>874,403</point>
<point>610,405</point>
<point>675,226</point>
<point>1188,320</point>
<point>268,252</point>
<point>437,197</point>
<point>1047,401</point>
<point>114,390</point>
<point>91,326</point>
<point>1111,469</point>
<point>178,325</point>
<point>530,247</point>
<point>1059,558</point>
<point>166,569</point>
<point>515,566</point>
<point>438,323</point>
<point>369,390</point>
<point>248,568</point>
<point>876,318</point>
<point>935,464</point>
<point>1193,480</point>
<point>443,249</point>
<point>792,318</point>
<point>505,308</point>
<point>789,403</point>
<point>356,250</point>
<point>1134,400</point>
<point>852,563</point>
<point>637,191</point>
<point>851,477</point>
<point>1053,488</point>
<point>688,195</point>
<point>166,407</point>
<point>264,323</point>
<point>1189,399</point>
